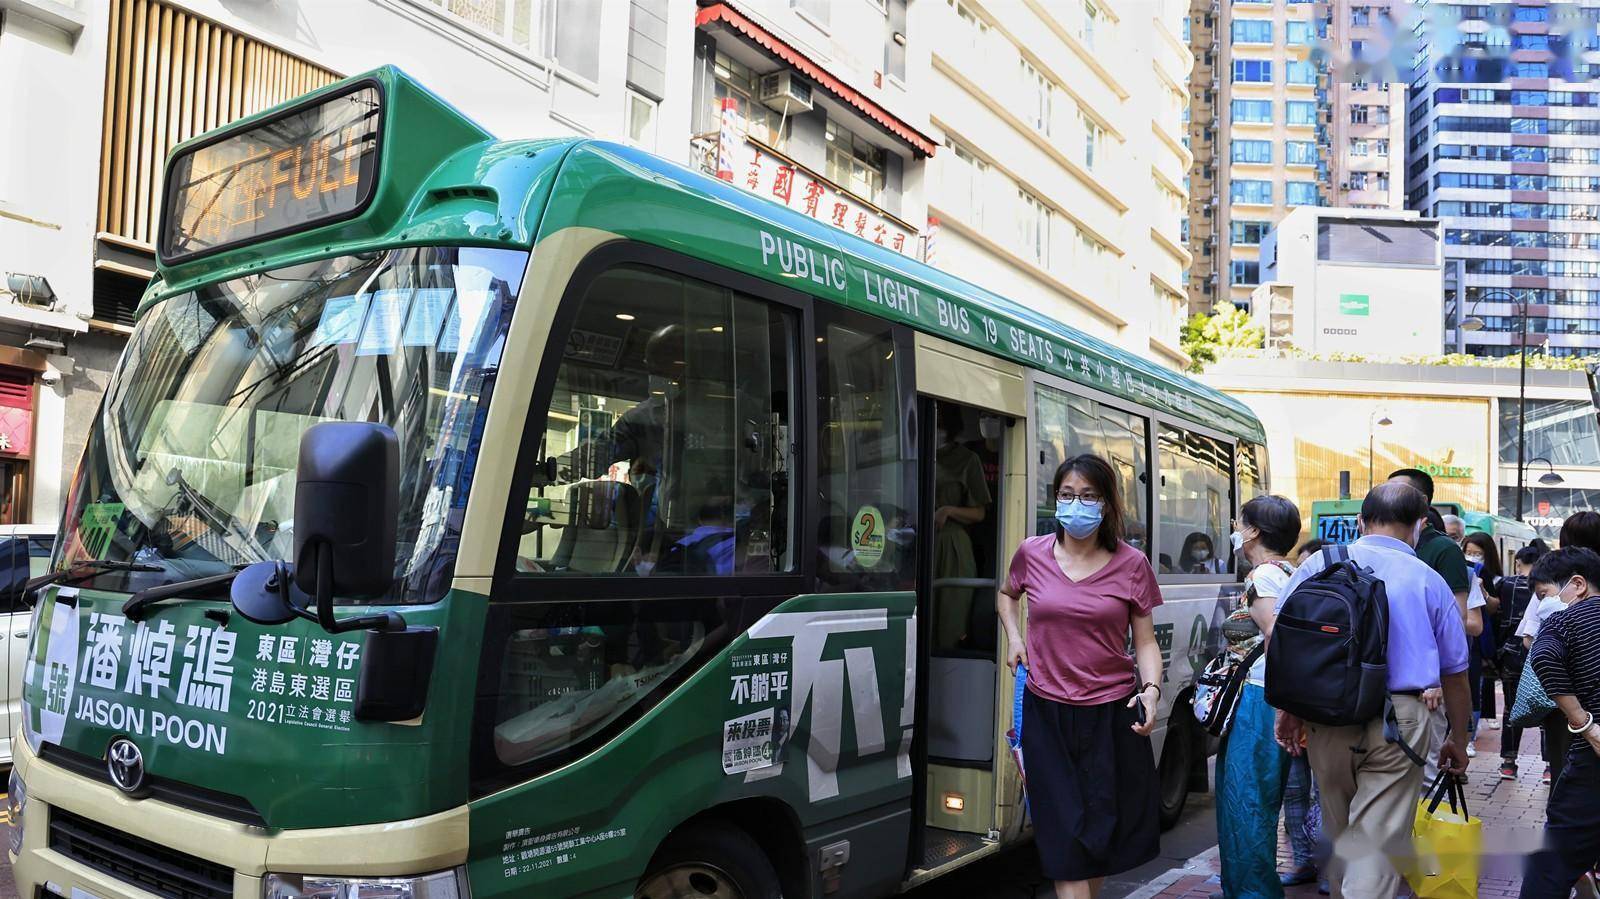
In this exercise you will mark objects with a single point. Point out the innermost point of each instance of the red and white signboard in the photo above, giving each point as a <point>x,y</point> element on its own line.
<point>760,171</point>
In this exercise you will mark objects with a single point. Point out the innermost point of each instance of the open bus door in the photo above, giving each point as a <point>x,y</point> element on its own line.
<point>966,793</point>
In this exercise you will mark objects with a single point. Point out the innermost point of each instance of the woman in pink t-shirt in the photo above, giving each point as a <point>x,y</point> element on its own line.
<point>1092,782</point>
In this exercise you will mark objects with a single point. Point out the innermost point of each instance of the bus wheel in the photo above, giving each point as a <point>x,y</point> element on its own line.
<point>1177,757</point>
<point>710,861</point>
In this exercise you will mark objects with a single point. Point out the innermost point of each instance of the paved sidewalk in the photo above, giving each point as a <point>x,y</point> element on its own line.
<point>1512,813</point>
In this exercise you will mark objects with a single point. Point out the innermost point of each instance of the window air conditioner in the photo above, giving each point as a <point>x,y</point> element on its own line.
<point>786,92</point>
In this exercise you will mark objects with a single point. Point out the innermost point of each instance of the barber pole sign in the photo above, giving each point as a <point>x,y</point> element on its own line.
<point>729,138</point>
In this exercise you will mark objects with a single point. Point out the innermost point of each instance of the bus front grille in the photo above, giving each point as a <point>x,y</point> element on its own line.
<point>137,862</point>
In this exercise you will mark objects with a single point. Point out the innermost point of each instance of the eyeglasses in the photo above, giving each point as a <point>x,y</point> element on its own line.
<point>1088,499</point>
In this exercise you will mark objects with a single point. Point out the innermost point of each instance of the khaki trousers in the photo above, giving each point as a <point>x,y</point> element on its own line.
<point>1369,798</point>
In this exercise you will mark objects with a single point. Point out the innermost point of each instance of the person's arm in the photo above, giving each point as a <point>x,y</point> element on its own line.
<point>1269,582</point>
<point>1474,623</point>
<point>958,514</point>
<point>1458,709</point>
<point>1461,605</point>
<point>1148,653</point>
<point>1011,620</point>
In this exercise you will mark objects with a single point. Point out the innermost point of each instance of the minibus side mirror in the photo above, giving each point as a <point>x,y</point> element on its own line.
<point>346,510</point>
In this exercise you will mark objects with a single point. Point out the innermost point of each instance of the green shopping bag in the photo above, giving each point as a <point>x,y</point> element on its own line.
<point>1532,703</point>
<point>1448,843</point>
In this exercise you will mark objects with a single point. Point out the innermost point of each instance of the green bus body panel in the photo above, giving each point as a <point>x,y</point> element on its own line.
<point>296,770</point>
<point>588,829</point>
<point>632,193</point>
<point>1496,526</point>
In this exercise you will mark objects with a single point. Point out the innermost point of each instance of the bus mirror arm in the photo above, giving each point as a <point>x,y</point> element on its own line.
<point>323,600</point>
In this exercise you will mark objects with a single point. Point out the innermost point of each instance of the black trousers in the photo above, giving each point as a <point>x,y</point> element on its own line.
<point>1556,741</point>
<point>1572,830</point>
<point>1510,737</point>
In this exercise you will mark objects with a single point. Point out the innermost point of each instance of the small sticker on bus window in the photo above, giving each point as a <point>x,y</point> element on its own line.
<point>382,329</point>
<point>428,309</point>
<point>341,321</point>
<point>866,537</point>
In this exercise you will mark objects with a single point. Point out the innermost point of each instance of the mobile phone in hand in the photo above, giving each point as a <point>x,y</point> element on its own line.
<point>1138,710</point>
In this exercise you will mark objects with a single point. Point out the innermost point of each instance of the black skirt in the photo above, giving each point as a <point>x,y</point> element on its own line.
<point>1092,788</point>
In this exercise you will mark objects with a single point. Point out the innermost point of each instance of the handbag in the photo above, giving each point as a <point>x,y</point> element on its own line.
<point>1533,704</point>
<point>1447,844</point>
<point>1014,735</point>
<point>1219,687</point>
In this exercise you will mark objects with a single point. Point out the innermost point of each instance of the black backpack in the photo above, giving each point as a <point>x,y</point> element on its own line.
<point>1328,659</point>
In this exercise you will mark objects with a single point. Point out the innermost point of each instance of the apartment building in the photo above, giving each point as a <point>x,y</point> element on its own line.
<point>1366,102</point>
<point>1201,139</point>
<point>1504,148</point>
<point>1060,179</point>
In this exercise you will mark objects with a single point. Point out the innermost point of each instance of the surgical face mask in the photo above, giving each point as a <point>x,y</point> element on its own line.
<point>1079,519</point>
<point>989,427</point>
<point>1201,554</point>
<point>1237,539</point>
<point>1562,593</point>
<point>1474,559</point>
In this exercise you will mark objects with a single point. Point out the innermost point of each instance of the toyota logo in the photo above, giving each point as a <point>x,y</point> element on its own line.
<point>125,764</point>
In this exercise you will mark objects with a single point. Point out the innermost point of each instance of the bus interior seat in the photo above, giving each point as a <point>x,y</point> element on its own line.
<point>604,525</point>
<point>961,722</point>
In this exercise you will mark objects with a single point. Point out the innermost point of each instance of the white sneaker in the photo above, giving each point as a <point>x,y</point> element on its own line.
<point>1494,723</point>
<point>1472,751</point>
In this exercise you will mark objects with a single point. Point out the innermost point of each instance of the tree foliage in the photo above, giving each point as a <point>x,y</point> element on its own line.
<point>1227,331</point>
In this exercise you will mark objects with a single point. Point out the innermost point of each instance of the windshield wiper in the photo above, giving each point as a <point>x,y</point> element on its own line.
<point>79,571</point>
<point>136,604</point>
<point>218,517</point>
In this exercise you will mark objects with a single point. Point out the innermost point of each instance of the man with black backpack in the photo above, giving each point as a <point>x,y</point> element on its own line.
<point>1361,632</point>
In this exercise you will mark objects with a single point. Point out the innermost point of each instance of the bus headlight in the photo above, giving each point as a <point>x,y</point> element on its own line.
<point>450,884</point>
<point>16,802</point>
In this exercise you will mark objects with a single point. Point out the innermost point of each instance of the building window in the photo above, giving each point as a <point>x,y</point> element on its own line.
<point>1380,147</point>
<point>965,177</point>
<point>1245,273</point>
<point>1254,151</point>
<point>1302,112</point>
<point>1037,94</point>
<point>815,10</point>
<point>1301,152</point>
<point>977,29</point>
<point>739,83</point>
<point>1033,228</point>
<point>1358,146</point>
<point>566,31</point>
<point>1091,19</point>
<point>1188,30</point>
<point>1253,192</point>
<point>1533,70</point>
<point>1361,15</point>
<point>641,121</point>
<point>1249,233</point>
<point>1298,34</point>
<point>1300,193</point>
<point>1358,181</point>
<point>1358,115</point>
<point>1301,72</point>
<point>1252,31</point>
<point>855,164</point>
<point>1253,71</point>
<point>1383,180</point>
<point>1253,111</point>
<point>1093,134</point>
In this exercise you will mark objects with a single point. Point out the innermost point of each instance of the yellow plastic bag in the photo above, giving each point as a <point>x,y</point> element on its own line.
<point>1448,843</point>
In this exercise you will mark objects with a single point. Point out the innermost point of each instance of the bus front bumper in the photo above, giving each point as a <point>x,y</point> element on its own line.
<point>170,838</point>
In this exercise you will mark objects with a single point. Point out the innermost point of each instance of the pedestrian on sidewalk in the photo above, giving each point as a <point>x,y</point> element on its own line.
<point>1515,595</point>
<point>1092,784</point>
<point>1566,656</point>
<point>1251,766</point>
<point>1368,783</point>
<point>1444,555</point>
<point>1484,560</point>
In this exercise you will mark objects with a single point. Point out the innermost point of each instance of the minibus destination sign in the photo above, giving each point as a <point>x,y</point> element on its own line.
<point>311,165</point>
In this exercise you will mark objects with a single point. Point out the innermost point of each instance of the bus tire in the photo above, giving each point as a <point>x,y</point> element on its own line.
<point>1177,758</point>
<point>710,861</point>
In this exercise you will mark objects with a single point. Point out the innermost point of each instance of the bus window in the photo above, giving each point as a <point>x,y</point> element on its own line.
<point>666,444</point>
<point>1252,466</point>
<point>1069,425</point>
<point>864,446</point>
<point>1196,502</point>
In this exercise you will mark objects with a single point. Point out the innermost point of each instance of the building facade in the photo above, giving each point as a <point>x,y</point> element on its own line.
<point>1060,179</point>
<point>1366,101</point>
<point>1504,148</point>
<point>1360,281</point>
<point>1323,418</point>
<point>1201,225</point>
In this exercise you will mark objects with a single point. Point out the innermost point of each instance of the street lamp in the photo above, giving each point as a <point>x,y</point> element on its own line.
<point>1474,324</point>
<point>1549,478</point>
<point>1373,423</point>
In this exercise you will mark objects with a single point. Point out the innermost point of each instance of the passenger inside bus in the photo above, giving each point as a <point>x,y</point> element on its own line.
<point>961,501</point>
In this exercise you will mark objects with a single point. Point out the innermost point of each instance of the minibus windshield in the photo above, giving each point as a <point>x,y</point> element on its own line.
<point>190,465</point>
